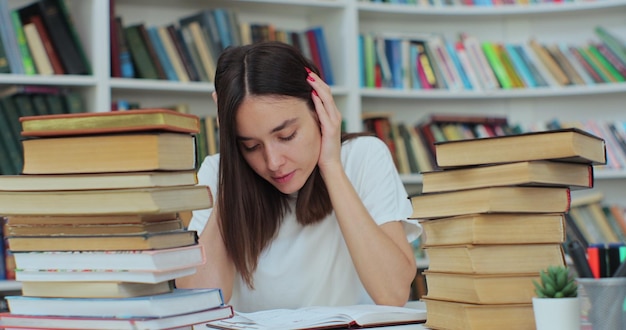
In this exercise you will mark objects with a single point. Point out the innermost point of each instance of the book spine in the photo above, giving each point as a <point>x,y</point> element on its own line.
<point>27,59</point>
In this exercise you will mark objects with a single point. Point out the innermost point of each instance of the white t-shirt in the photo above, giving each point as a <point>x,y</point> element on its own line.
<point>311,265</point>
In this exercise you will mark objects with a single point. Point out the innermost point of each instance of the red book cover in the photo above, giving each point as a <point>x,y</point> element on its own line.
<point>47,43</point>
<point>315,53</point>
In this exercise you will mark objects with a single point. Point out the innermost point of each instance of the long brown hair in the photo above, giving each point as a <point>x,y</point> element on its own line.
<point>250,208</point>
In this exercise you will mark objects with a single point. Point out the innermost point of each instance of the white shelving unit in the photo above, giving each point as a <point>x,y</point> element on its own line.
<point>343,20</point>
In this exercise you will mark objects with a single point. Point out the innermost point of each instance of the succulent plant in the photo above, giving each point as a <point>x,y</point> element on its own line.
<point>556,282</point>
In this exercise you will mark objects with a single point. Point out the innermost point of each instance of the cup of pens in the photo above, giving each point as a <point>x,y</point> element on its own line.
<point>605,302</point>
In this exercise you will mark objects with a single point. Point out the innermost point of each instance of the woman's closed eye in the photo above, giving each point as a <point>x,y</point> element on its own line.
<point>289,137</point>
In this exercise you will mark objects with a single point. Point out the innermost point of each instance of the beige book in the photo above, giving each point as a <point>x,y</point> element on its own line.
<point>172,54</point>
<point>494,259</point>
<point>94,289</point>
<point>461,316</point>
<point>37,49</point>
<point>495,228</point>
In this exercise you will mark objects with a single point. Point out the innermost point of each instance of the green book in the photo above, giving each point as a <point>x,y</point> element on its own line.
<point>11,152</point>
<point>27,59</point>
<point>4,60</point>
<point>139,53</point>
<point>605,63</point>
<point>584,52</point>
<point>615,45</point>
<point>496,64</point>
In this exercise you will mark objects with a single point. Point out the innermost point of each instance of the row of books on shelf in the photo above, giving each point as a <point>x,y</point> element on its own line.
<point>40,38</point>
<point>486,3</point>
<point>486,242</point>
<point>432,61</point>
<point>413,146</point>
<point>187,50</point>
<point>96,233</point>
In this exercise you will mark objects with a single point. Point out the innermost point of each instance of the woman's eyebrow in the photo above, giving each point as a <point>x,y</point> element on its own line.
<point>274,130</point>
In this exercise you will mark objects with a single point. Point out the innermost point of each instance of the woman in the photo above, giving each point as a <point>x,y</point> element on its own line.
<point>299,218</point>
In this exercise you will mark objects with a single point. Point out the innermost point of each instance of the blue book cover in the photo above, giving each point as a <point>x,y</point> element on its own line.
<point>394,58</point>
<point>539,79</point>
<point>9,39</point>
<point>457,63</point>
<point>153,33</point>
<point>520,66</point>
<point>414,58</point>
<point>324,55</point>
<point>223,26</point>
<point>361,53</point>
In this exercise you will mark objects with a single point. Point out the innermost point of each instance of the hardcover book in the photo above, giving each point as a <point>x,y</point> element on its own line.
<point>482,288</point>
<point>89,219</point>
<point>152,119</point>
<point>494,259</point>
<point>124,152</point>
<point>96,181</point>
<point>179,301</point>
<point>570,145</point>
<point>121,242</point>
<point>105,202</point>
<point>506,199</point>
<point>462,316</point>
<point>129,260</point>
<point>92,275</point>
<point>90,229</point>
<point>495,228</point>
<point>114,323</point>
<point>95,289</point>
<point>530,173</point>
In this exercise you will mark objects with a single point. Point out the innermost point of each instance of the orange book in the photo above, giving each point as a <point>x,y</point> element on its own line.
<point>110,122</point>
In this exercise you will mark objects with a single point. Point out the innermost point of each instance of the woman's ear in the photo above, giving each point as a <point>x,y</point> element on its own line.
<point>214,95</point>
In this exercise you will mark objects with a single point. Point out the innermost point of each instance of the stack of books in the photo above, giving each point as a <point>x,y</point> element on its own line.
<point>93,223</point>
<point>493,218</point>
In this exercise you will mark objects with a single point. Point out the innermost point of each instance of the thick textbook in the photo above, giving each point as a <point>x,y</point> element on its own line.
<point>568,144</point>
<point>530,173</point>
<point>505,199</point>
<point>495,228</point>
<point>112,323</point>
<point>494,259</point>
<point>462,316</point>
<point>129,260</point>
<point>153,119</point>
<point>323,317</point>
<point>95,181</point>
<point>146,241</point>
<point>94,289</point>
<point>481,288</point>
<point>105,202</point>
<point>124,152</point>
<point>180,301</point>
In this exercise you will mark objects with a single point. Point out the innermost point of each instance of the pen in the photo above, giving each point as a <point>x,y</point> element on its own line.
<point>577,253</point>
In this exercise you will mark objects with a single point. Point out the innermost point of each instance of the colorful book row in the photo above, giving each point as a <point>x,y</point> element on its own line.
<point>412,146</point>
<point>188,49</point>
<point>40,38</point>
<point>431,61</point>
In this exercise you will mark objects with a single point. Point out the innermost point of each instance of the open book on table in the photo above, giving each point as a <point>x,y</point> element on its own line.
<point>318,317</point>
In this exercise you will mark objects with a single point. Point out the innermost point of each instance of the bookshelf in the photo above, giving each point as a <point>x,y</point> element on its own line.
<point>343,20</point>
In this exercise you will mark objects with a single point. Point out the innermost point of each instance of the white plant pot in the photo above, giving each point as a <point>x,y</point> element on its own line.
<point>557,313</point>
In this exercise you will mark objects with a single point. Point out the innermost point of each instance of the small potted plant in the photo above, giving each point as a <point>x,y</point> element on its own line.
<point>556,305</point>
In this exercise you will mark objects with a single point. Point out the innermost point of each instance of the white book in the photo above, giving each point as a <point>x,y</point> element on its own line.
<point>90,275</point>
<point>180,301</point>
<point>135,260</point>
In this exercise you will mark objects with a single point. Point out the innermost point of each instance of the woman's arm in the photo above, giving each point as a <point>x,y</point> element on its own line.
<point>382,256</point>
<point>218,271</point>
